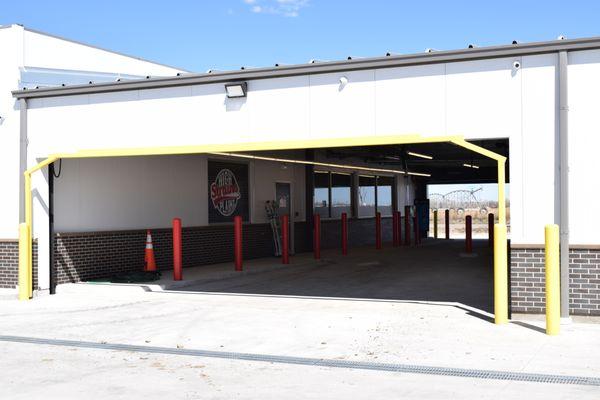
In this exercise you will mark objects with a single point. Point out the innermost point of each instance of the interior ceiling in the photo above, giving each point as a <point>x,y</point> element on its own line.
<point>445,167</point>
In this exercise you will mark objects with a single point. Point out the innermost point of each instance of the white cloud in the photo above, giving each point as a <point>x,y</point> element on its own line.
<point>287,8</point>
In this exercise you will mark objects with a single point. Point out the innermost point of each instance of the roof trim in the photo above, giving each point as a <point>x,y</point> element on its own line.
<point>478,53</point>
<point>94,47</point>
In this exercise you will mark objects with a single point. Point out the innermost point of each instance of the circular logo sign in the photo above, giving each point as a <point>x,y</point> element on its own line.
<point>225,192</point>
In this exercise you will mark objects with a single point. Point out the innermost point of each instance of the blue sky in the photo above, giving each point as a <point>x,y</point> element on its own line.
<point>227,34</point>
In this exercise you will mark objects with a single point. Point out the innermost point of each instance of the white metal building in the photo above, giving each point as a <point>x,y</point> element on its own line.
<point>33,59</point>
<point>527,101</point>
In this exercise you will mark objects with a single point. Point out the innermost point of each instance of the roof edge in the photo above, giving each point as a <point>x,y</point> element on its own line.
<point>98,48</point>
<point>470,54</point>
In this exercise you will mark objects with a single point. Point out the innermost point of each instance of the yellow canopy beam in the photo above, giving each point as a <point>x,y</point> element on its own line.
<point>25,263</point>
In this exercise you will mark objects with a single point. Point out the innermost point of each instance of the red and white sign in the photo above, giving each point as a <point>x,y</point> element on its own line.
<point>225,192</point>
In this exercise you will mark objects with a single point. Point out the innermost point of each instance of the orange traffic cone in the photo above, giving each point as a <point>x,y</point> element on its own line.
<point>149,261</point>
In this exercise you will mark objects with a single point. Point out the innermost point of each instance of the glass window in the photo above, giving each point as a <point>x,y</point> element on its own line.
<point>384,194</point>
<point>366,196</point>
<point>321,195</point>
<point>341,197</point>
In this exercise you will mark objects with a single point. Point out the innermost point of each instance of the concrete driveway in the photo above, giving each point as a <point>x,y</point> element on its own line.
<point>436,271</point>
<point>127,342</point>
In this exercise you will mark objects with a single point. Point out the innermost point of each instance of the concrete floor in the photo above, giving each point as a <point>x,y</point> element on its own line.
<point>435,271</point>
<point>267,315</point>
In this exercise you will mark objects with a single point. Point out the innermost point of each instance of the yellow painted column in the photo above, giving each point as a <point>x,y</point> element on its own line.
<point>501,192</point>
<point>552,280</point>
<point>435,223</point>
<point>29,222</point>
<point>500,275</point>
<point>24,276</point>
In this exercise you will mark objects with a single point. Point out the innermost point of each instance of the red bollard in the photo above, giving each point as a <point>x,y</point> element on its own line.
<point>407,225</point>
<point>416,229</point>
<point>317,236</point>
<point>399,228</point>
<point>395,226</point>
<point>469,235</point>
<point>177,250</point>
<point>491,230</point>
<point>447,223</point>
<point>378,231</point>
<point>237,251</point>
<point>344,234</point>
<point>285,251</point>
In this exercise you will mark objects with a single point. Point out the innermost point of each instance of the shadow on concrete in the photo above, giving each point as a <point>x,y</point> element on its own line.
<point>432,272</point>
<point>529,326</point>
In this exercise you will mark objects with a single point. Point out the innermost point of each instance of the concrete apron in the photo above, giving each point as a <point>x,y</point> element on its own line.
<point>435,271</point>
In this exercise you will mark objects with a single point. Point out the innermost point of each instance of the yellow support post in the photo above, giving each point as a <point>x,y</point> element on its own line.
<point>552,280</point>
<point>500,275</point>
<point>501,193</point>
<point>24,276</point>
<point>278,145</point>
<point>28,221</point>
<point>435,224</point>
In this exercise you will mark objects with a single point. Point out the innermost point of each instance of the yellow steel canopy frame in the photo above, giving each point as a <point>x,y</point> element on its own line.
<point>500,257</point>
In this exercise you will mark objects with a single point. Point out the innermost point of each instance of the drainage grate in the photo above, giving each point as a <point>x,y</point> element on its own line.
<point>318,362</point>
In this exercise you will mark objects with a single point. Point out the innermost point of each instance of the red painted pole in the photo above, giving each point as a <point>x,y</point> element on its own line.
<point>447,223</point>
<point>399,228</point>
<point>237,231</point>
<point>285,255</point>
<point>378,231</point>
<point>417,227</point>
<point>395,225</point>
<point>491,230</point>
<point>469,235</point>
<point>177,250</point>
<point>344,234</point>
<point>407,225</point>
<point>317,236</point>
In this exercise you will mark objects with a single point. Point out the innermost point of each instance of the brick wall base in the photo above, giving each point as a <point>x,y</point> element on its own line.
<point>92,255</point>
<point>528,281</point>
<point>9,264</point>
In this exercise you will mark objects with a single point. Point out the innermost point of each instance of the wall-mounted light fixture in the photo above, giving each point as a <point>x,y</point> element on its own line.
<point>425,156</point>
<point>238,89</point>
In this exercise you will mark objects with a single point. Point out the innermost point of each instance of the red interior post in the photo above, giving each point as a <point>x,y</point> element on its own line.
<point>378,230</point>
<point>417,227</point>
<point>317,236</point>
<point>407,225</point>
<point>285,255</point>
<point>469,235</point>
<point>447,223</point>
<point>491,230</point>
<point>177,250</point>
<point>395,226</point>
<point>237,229</point>
<point>344,234</point>
<point>399,228</point>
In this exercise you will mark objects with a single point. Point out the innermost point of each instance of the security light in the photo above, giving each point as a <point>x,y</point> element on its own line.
<point>236,89</point>
<point>425,156</point>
